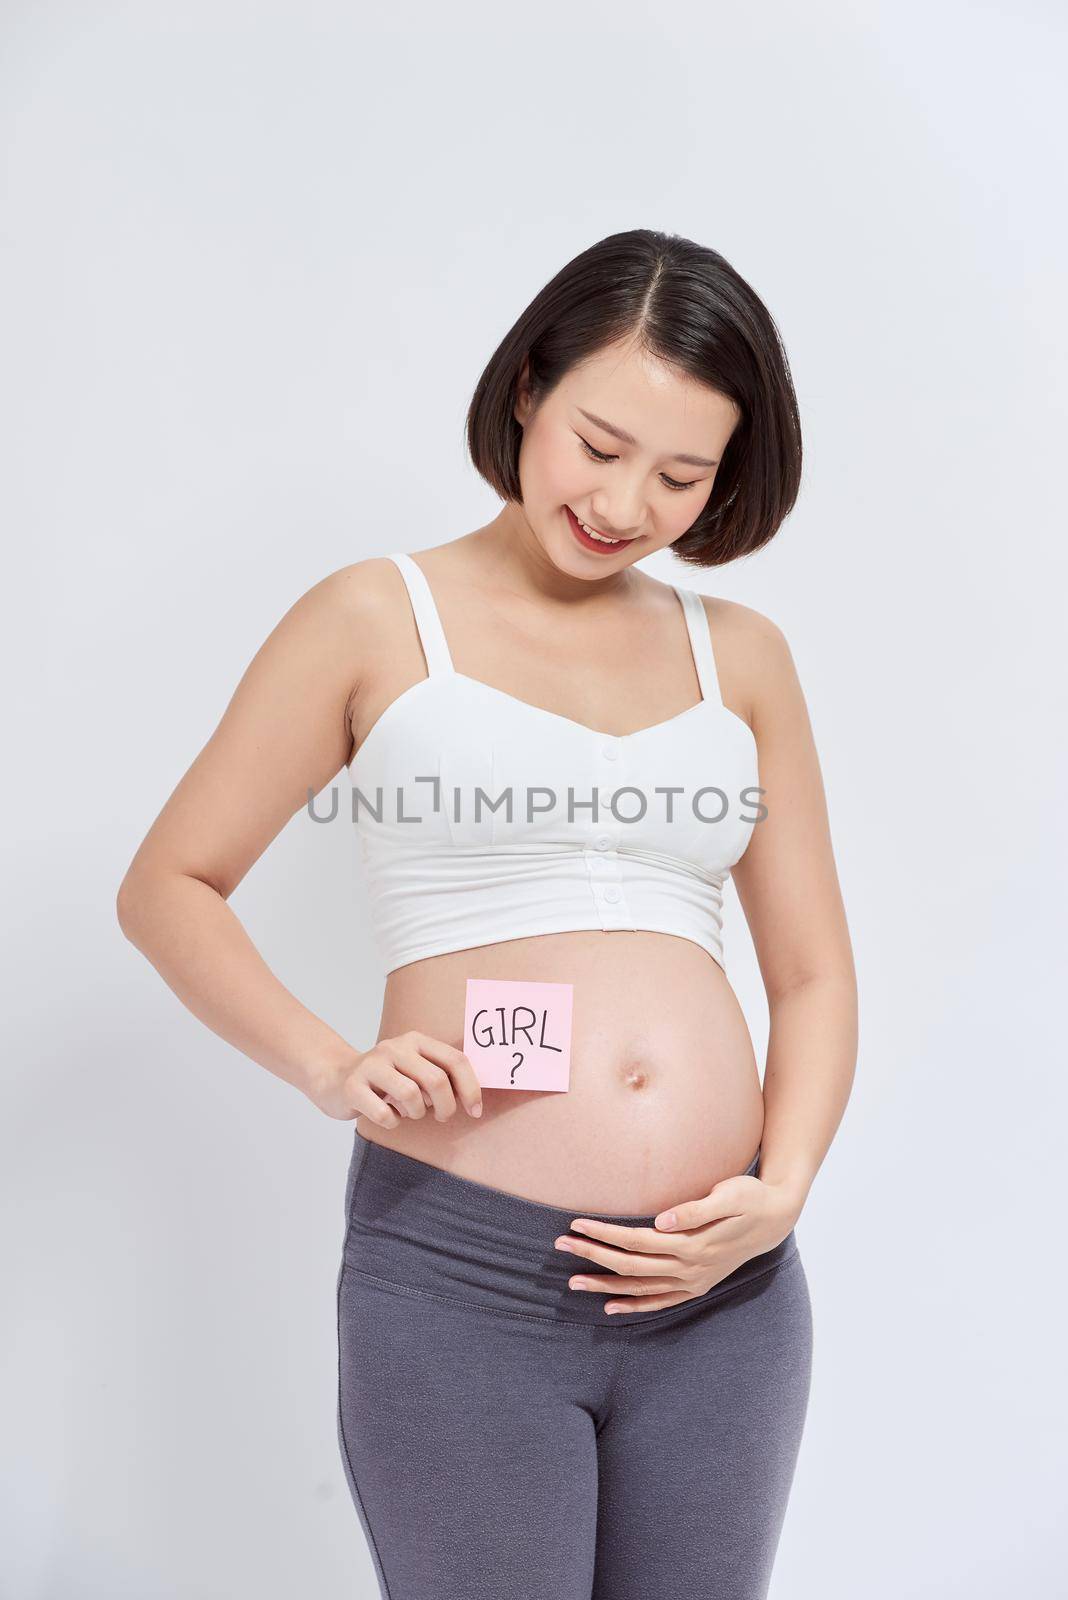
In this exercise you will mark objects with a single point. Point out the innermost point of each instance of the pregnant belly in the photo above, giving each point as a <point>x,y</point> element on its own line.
<point>664,1097</point>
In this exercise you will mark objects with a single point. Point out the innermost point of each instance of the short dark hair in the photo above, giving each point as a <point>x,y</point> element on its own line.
<point>687,306</point>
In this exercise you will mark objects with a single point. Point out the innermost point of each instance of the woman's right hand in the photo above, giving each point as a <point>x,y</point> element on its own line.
<point>401,1077</point>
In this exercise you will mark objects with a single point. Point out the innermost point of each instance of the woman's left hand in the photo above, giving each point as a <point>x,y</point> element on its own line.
<point>675,1261</point>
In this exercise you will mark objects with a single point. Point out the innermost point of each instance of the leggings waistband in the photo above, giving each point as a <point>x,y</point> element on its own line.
<point>421,1230</point>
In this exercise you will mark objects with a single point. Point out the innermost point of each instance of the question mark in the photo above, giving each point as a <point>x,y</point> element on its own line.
<point>518,1063</point>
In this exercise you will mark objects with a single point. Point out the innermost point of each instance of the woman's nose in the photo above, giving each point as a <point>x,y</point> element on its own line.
<point>620,515</point>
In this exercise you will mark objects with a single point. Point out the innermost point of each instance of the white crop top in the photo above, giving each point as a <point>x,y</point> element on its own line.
<point>545,849</point>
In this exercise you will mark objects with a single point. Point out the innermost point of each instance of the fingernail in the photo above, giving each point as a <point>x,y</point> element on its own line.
<point>668,1220</point>
<point>476,1111</point>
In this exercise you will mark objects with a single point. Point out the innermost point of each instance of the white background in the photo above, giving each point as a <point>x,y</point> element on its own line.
<point>254,259</point>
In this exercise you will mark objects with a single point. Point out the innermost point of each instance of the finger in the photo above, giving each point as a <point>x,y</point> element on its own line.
<point>457,1065</point>
<point>620,1261</point>
<point>723,1202</point>
<point>434,1082</point>
<point>390,1071</point>
<point>403,1092</point>
<point>371,1105</point>
<point>622,1234</point>
<point>629,1286</point>
<point>657,1303</point>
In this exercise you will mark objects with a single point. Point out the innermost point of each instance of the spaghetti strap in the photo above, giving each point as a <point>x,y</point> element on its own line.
<point>427,620</point>
<point>700,643</point>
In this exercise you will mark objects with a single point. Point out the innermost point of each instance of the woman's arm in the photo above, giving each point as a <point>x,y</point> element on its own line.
<point>285,731</point>
<point>788,888</point>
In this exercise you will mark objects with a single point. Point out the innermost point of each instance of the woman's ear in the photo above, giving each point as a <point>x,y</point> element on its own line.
<point>521,409</point>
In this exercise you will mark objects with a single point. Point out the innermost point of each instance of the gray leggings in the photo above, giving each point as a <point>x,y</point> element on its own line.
<point>504,1438</point>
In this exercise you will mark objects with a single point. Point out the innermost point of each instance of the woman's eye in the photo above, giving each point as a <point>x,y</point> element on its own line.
<point>668,482</point>
<point>596,454</point>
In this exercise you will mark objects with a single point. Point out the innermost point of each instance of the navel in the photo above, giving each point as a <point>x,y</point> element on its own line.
<point>635,1077</point>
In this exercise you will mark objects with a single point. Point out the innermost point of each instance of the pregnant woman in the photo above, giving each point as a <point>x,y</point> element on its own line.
<point>574,1328</point>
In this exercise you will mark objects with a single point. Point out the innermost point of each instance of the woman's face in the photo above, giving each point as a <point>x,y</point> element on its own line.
<point>575,468</point>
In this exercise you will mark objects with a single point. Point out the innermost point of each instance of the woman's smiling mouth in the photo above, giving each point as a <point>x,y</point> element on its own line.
<point>590,538</point>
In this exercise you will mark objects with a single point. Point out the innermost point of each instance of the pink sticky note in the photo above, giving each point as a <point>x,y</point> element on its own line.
<point>517,1035</point>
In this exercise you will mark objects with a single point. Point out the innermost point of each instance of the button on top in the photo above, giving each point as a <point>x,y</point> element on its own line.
<point>603,841</point>
<point>610,749</point>
<point>611,894</point>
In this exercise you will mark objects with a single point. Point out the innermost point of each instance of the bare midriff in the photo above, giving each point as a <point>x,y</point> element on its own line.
<point>664,1098</point>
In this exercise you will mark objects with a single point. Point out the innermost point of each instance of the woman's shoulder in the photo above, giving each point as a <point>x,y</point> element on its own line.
<point>753,656</point>
<point>361,592</point>
<point>342,621</point>
<point>743,623</point>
